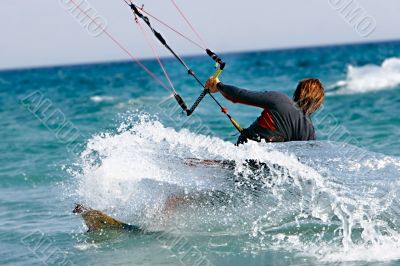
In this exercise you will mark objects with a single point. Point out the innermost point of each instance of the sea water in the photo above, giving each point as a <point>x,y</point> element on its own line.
<point>109,137</point>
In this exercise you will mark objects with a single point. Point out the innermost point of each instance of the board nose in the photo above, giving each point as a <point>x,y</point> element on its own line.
<point>78,208</point>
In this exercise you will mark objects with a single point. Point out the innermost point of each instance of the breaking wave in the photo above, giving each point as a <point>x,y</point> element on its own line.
<point>370,78</point>
<point>330,201</point>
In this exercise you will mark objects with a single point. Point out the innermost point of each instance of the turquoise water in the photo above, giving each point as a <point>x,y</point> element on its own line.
<point>107,136</point>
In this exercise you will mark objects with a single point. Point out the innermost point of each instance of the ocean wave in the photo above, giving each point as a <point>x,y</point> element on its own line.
<point>308,197</point>
<point>370,78</point>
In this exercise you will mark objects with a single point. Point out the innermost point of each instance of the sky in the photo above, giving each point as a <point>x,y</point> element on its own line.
<point>48,32</point>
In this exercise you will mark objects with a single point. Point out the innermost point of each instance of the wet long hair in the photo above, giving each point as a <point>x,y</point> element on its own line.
<point>309,95</point>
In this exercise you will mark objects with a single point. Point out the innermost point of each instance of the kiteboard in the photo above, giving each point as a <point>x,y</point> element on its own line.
<point>96,220</point>
<point>251,164</point>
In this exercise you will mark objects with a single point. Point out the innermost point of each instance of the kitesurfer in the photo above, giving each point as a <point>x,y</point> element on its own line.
<point>282,119</point>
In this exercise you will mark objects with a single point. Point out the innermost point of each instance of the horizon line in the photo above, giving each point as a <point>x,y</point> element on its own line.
<point>117,61</point>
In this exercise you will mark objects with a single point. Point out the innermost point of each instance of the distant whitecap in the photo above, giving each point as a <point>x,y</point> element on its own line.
<point>370,77</point>
<point>99,99</point>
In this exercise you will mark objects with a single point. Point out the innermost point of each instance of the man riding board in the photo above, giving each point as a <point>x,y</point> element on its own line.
<point>282,118</point>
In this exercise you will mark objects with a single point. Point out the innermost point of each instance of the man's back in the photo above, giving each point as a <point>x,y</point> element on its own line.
<point>281,119</point>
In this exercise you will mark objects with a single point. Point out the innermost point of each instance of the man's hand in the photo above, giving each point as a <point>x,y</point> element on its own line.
<point>212,84</point>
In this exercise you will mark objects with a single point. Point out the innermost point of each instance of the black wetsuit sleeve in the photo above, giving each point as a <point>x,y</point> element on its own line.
<point>237,95</point>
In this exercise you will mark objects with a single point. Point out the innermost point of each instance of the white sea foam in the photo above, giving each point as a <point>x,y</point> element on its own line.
<point>370,77</point>
<point>99,99</point>
<point>341,212</point>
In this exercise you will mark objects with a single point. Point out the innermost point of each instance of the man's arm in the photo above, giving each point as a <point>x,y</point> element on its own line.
<point>237,95</point>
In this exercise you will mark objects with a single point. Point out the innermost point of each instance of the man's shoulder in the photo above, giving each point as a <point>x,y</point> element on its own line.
<point>279,96</point>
